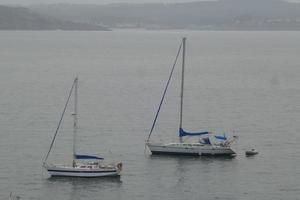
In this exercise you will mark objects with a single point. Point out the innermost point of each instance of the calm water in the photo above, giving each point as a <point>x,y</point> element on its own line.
<point>248,82</point>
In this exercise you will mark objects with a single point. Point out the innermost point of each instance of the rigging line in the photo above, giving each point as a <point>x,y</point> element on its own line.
<point>59,123</point>
<point>165,91</point>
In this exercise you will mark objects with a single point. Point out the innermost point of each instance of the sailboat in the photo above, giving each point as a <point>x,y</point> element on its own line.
<point>203,146</point>
<point>82,165</point>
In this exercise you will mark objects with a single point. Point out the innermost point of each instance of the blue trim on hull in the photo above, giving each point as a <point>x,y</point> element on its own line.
<point>66,176</point>
<point>82,171</point>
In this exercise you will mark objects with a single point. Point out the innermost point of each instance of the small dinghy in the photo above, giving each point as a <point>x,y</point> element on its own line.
<point>251,152</point>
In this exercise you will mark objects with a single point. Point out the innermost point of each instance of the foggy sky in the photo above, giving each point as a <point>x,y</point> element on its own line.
<point>27,2</point>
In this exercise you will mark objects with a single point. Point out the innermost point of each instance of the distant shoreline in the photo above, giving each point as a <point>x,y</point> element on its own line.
<point>223,15</point>
<point>20,18</point>
<point>143,30</point>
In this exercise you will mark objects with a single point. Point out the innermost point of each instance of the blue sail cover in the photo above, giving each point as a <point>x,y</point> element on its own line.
<point>88,157</point>
<point>221,137</point>
<point>183,133</point>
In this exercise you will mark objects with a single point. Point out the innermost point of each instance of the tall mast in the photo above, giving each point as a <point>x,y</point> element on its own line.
<point>182,84</point>
<point>75,120</point>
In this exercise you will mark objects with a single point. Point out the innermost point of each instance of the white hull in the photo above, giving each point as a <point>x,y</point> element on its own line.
<point>189,149</point>
<point>79,172</point>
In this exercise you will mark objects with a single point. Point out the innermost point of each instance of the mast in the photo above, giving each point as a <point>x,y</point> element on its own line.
<point>182,84</point>
<point>75,120</point>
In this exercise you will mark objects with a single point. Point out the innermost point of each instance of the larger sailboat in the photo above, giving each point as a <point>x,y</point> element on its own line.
<point>203,146</point>
<point>82,165</point>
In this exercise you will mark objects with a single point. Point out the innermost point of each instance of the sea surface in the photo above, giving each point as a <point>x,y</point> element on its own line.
<point>242,83</point>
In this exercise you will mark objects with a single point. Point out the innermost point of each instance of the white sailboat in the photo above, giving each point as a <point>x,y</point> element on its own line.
<point>82,165</point>
<point>202,147</point>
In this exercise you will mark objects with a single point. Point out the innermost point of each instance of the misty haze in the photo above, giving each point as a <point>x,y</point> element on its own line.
<point>149,100</point>
<point>201,15</point>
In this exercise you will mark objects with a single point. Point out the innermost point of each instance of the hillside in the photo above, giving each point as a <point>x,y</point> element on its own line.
<point>212,15</point>
<point>19,18</point>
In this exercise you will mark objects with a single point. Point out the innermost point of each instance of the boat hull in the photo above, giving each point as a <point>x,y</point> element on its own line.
<point>77,172</point>
<point>196,150</point>
<point>251,153</point>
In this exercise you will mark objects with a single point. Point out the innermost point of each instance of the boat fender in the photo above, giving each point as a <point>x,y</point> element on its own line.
<point>119,166</point>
